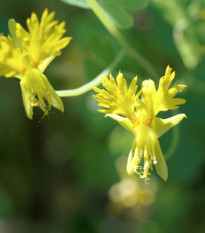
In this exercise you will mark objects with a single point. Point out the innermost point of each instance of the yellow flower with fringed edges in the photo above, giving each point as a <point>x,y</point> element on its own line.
<point>26,54</point>
<point>137,113</point>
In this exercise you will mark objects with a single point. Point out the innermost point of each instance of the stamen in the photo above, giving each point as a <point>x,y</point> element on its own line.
<point>155,161</point>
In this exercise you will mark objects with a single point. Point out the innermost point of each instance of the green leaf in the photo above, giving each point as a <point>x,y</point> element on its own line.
<point>78,3</point>
<point>117,10</point>
<point>183,15</point>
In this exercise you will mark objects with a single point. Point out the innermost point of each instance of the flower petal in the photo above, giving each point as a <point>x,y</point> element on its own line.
<point>43,41</point>
<point>161,126</point>
<point>26,99</point>
<point>117,98</point>
<point>55,99</point>
<point>131,164</point>
<point>161,166</point>
<point>164,99</point>
<point>38,92</point>
<point>124,122</point>
<point>11,58</point>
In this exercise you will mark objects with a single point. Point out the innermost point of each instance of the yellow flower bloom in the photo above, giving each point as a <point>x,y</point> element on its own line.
<point>26,54</point>
<point>138,115</point>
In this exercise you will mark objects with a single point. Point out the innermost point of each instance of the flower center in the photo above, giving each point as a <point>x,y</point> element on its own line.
<point>132,117</point>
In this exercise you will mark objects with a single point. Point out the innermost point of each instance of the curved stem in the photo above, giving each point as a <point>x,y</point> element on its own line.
<point>194,83</point>
<point>198,87</point>
<point>174,141</point>
<point>189,57</point>
<point>95,82</point>
<point>107,22</point>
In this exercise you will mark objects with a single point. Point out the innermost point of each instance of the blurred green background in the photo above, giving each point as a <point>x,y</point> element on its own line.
<point>67,172</point>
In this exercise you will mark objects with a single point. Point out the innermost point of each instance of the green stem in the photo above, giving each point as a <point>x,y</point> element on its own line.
<point>198,87</point>
<point>95,82</point>
<point>174,142</point>
<point>187,52</point>
<point>194,83</point>
<point>107,22</point>
<point>175,139</point>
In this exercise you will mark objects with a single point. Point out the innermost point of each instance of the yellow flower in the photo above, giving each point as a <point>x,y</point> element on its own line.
<point>138,115</point>
<point>26,54</point>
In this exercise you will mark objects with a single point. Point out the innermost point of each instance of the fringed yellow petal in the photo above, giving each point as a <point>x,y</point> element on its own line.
<point>43,41</point>
<point>148,96</point>
<point>117,98</point>
<point>164,99</point>
<point>11,58</point>
<point>35,48</point>
<point>133,88</point>
<point>176,88</point>
<point>122,84</point>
